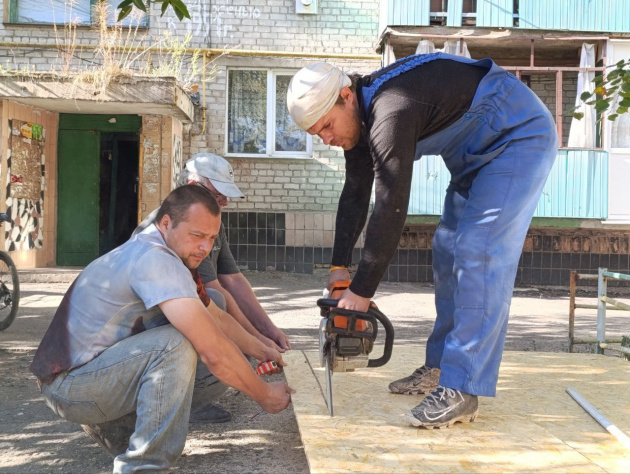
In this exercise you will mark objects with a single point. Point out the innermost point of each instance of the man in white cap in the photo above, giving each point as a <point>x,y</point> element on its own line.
<point>497,140</point>
<point>219,274</point>
<point>219,271</point>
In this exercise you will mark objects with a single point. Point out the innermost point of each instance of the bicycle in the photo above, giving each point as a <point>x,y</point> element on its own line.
<point>9,286</point>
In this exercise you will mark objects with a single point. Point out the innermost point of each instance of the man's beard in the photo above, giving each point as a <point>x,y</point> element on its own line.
<point>192,263</point>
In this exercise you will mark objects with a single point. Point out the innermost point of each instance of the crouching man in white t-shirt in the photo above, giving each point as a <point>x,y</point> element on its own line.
<point>125,340</point>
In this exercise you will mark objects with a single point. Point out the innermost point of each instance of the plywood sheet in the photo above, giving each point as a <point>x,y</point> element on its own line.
<point>532,424</point>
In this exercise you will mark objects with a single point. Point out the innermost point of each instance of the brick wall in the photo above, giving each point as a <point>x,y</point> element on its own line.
<point>349,27</point>
<point>549,255</point>
<point>339,27</point>
<point>275,184</point>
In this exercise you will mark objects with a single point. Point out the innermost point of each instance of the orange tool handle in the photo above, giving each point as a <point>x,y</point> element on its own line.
<point>267,368</point>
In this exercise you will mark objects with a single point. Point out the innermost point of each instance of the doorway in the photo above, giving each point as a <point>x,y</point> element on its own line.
<point>118,213</point>
<point>98,175</point>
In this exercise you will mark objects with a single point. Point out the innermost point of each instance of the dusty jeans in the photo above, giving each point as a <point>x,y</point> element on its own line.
<point>151,374</point>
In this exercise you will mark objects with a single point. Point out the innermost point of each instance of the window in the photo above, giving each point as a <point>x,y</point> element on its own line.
<point>258,122</point>
<point>60,12</point>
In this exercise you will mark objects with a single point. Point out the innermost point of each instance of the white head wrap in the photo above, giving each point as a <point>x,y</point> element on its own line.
<point>313,91</point>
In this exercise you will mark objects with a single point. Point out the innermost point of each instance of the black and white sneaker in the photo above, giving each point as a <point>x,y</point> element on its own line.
<point>444,407</point>
<point>423,380</point>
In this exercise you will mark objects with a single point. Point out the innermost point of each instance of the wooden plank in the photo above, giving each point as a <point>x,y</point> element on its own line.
<point>531,425</point>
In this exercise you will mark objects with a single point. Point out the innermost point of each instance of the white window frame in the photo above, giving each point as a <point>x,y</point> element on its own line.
<point>271,119</point>
<point>60,16</point>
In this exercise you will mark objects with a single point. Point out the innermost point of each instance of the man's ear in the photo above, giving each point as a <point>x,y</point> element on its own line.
<point>166,222</point>
<point>349,98</point>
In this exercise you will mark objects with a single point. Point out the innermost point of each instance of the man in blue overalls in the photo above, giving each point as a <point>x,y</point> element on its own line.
<point>499,143</point>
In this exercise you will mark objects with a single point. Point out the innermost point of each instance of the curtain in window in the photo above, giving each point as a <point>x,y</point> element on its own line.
<point>53,11</point>
<point>582,133</point>
<point>289,137</point>
<point>388,54</point>
<point>247,112</point>
<point>456,48</point>
<point>425,47</point>
<point>621,132</point>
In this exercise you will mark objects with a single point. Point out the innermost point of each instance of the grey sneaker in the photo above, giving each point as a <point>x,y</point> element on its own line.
<point>444,407</point>
<point>423,380</point>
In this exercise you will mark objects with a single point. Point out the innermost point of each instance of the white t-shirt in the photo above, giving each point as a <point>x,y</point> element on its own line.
<point>115,297</point>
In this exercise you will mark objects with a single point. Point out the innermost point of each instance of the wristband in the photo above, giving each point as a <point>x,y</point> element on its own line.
<point>336,267</point>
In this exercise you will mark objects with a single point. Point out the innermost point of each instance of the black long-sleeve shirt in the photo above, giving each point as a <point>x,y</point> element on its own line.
<point>405,109</point>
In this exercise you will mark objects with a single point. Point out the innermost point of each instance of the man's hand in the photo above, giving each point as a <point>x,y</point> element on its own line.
<point>278,398</point>
<point>269,343</point>
<point>338,275</point>
<point>280,338</point>
<point>354,302</point>
<point>270,354</point>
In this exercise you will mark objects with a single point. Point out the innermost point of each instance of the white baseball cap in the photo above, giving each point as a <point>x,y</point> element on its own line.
<point>217,170</point>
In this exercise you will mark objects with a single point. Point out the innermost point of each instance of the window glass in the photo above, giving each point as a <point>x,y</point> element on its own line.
<point>247,112</point>
<point>135,18</point>
<point>76,12</point>
<point>289,137</point>
<point>621,132</point>
<point>53,11</point>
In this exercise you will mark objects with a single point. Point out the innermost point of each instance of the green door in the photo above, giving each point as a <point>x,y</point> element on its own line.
<point>78,197</point>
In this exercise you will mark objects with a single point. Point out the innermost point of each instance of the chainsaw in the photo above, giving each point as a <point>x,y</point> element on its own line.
<point>347,337</point>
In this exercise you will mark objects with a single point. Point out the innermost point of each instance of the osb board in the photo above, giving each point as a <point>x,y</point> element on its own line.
<point>532,424</point>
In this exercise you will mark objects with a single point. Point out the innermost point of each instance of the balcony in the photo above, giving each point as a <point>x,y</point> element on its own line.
<point>577,186</point>
<point>611,16</point>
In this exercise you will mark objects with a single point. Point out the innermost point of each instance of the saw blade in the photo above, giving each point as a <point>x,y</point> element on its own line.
<point>328,374</point>
<point>323,342</point>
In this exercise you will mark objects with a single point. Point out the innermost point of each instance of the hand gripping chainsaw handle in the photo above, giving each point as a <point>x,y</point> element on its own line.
<point>372,313</point>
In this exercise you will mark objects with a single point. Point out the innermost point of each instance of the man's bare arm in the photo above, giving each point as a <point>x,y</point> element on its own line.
<point>234,310</point>
<point>221,356</point>
<point>243,294</point>
<point>243,340</point>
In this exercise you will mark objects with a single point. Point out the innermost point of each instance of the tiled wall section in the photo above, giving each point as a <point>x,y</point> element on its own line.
<point>549,255</point>
<point>298,243</point>
<point>286,242</point>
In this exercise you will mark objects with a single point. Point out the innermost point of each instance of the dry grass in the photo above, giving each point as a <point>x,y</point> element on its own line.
<point>67,39</point>
<point>114,54</point>
<point>122,51</point>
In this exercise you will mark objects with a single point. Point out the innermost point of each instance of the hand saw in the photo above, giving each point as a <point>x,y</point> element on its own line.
<point>347,337</point>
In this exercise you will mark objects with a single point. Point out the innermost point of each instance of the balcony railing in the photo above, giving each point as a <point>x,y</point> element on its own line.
<point>577,186</point>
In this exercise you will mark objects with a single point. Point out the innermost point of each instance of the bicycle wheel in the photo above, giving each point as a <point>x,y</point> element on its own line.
<point>9,291</point>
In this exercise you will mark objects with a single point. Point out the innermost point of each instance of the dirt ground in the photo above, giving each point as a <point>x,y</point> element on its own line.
<point>34,440</point>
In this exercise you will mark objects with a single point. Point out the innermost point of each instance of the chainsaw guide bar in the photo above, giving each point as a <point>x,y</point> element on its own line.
<point>346,339</point>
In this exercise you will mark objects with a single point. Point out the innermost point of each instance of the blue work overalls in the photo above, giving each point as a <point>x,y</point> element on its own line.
<point>499,154</point>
